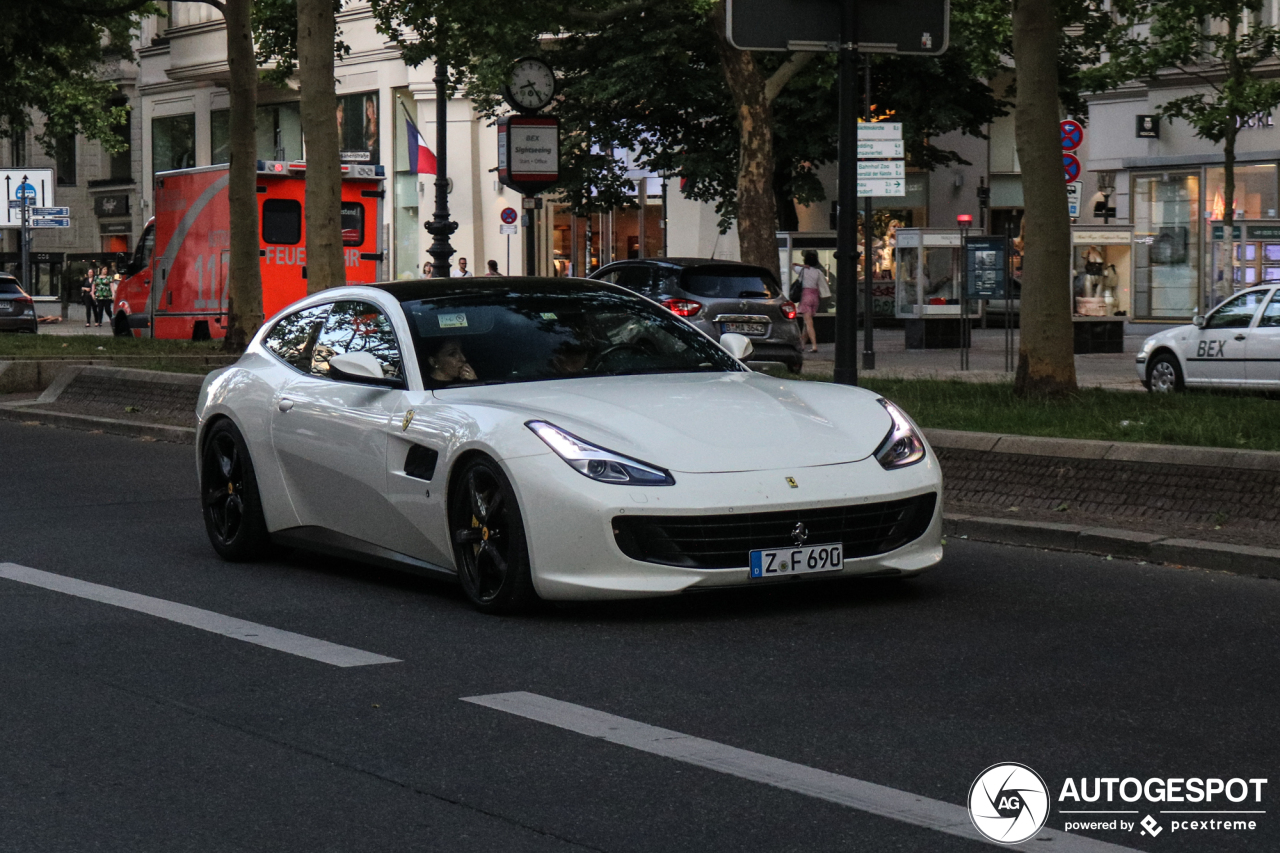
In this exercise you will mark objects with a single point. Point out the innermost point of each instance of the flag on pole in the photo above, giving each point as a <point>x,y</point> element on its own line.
<point>422,161</point>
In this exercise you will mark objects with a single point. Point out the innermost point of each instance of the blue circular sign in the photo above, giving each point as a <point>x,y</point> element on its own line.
<point>25,191</point>
<point>1070,167</point>
<point>509,216</point>
<point>1072,134</point>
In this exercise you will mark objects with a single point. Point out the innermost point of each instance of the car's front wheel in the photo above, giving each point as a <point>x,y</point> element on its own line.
<point>489,544</point>
<point>1164,376</point>
<point>229,494</point>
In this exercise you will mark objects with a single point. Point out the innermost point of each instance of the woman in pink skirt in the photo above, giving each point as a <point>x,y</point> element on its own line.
<point>812,282</point>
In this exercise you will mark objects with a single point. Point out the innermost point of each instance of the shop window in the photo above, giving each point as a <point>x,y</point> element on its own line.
<point>281,221</point>
<point>219,137</point>
<point>65,160</point>
<point>120,163</point>
<point>173,142</point>
<point>1255,192</point>
<point>279,132</point>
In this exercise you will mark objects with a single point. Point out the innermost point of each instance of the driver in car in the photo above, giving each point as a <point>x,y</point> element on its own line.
<point>449,364</point>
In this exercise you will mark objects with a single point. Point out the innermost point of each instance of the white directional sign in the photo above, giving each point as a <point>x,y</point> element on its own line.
<point>881,188</point>
<point>879,130</point>
<point>50,222</point>
<point>882,149</point>
<point>1075,190</point>
<point>882,169</point>
<point>35,184</point>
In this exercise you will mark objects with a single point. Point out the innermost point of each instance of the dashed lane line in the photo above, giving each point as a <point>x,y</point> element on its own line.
<point>810,781</point>
<point>206,620</point>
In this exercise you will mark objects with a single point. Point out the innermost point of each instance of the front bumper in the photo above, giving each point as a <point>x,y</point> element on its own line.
<point>574,555</point>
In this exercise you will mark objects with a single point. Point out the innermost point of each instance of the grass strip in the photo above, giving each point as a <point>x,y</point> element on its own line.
<point>46,345</point>
<point>1236,420</point>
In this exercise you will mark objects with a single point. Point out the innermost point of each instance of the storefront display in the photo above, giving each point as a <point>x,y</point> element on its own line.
<point>1166,245</point>
<point>1101,270</point>
<point>928,287</point>
<point>1250,258</point>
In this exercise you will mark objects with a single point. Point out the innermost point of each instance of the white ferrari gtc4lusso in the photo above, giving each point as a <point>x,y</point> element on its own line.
<point>555,439</point>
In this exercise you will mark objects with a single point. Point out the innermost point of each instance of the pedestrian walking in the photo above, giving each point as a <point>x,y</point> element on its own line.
<point>812,279</point>
<point>493,269</point>
<point>101,294</point>
<point>86,294</point>
<point>462,271</point>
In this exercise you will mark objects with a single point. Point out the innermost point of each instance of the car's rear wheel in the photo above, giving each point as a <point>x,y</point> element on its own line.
<point>489,544</point>
<point>229,493</point>
<point>1164,376</point>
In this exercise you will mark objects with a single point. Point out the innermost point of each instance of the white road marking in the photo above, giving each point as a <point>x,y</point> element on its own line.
<point>205,620</point>
<point>864,796</point>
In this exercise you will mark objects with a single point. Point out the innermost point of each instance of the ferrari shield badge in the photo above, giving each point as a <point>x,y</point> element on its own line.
<point>408,419</point>
<point>791,481</point>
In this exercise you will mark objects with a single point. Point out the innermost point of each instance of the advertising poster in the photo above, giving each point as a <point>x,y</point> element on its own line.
<point>358,128</point>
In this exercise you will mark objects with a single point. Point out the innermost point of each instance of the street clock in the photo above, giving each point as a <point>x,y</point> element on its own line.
<point>531,86</point>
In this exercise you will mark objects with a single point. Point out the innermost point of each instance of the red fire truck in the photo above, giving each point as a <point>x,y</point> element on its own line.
<point>176,284</point>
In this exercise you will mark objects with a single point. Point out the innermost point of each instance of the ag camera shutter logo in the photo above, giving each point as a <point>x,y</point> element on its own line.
<point>1008,803</point>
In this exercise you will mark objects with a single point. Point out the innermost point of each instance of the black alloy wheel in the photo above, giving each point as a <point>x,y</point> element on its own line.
<point>229,495</point>
<point>489,544</point>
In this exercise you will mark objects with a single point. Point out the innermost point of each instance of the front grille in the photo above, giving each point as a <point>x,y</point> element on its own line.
<point>724,541</point>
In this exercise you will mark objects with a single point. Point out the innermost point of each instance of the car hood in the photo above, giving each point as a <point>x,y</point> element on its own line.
<point>699,422</point>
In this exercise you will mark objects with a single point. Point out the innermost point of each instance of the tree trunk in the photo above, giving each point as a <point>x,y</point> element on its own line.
<point>319,107</point>
<point>757,208</point>
<point>244,279</point>
<point>1046,363</point>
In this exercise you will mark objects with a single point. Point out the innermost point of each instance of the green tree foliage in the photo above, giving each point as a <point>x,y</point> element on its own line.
<point>52,57</point>
<point>1218,43</point>
<point>644,75</point>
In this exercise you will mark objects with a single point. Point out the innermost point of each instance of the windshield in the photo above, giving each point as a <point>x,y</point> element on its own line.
<point>499,337</point>
<point>730,283</point>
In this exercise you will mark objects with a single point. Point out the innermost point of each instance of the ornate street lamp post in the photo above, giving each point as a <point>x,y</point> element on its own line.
<point>440,228</point>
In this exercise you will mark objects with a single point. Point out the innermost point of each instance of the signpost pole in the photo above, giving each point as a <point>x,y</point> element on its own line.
<point>26,237</point>
<point>965,222</point>
<point>868,233</point>
<point>1008,296</point>
<point>440,228</point>
<point>846,366</point>
<point>530,241</point>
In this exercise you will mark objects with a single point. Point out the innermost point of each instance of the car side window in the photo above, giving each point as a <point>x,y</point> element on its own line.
<point>1236,313</point>
<point>637,278</point>
<point>292,337</point>
<point>611,276</point>
<point>354,326</point>
<point>1271,314</point>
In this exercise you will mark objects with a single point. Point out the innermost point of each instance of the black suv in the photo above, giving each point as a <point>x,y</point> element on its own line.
<point>17,310</point>
<point>718,297</point>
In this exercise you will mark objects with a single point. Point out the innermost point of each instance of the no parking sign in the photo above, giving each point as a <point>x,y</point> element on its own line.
<point>1072,134</point>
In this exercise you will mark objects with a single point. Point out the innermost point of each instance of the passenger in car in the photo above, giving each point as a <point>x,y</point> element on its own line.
<point>448,364</point>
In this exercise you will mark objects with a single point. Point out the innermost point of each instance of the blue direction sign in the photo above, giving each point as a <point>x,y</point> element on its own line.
<point>50,222</point>
<point>51,211</point>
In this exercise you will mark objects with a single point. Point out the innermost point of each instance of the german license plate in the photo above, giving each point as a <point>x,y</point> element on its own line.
<point>795,561</point>
<point>744,328</point>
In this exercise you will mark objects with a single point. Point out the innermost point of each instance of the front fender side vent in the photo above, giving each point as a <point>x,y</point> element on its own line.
<point>420,463</point>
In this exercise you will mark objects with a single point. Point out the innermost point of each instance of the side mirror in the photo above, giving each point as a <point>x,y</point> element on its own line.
<point>1197,321</point>
<point>738,346</point>
<point>361,368</point>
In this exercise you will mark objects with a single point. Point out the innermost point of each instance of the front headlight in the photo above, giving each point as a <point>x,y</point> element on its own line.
<point>903,445</point>
<point>593,461</point>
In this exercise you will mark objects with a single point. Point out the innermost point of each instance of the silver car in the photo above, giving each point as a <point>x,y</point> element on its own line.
<point>718,297</point>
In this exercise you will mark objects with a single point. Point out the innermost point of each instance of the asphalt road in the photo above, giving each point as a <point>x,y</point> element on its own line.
<point>127,732</point>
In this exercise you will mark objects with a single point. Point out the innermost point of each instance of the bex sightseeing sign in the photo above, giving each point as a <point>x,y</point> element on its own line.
<point>528,152</point>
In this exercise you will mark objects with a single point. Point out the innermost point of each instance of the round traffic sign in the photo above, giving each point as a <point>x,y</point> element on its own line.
<point>24,190</point>
<point>1070,167</point>
<point>1072,134</point>
<point>509,216</point>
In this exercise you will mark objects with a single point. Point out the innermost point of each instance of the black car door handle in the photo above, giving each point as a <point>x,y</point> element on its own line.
<point>1241,337</point>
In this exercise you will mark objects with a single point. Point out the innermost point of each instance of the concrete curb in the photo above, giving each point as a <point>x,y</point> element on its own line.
<point>136,429</point>
<point>1118,451</point>
<point>1237,559</point>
